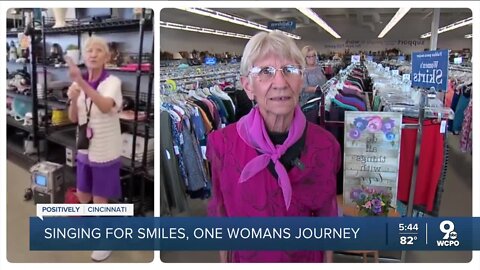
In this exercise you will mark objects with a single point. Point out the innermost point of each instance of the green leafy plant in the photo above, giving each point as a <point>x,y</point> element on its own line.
<point>72,47</point>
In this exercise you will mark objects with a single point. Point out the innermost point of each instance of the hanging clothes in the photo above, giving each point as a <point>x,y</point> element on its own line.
<point>466,134</point>
<point>449,94</point>
<point>459,112</point>
<point>171,180</point>
<point>430,163</point>
<point>197,178</point>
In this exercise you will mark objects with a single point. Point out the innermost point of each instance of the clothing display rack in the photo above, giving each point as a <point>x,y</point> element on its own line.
<point>182,93</point>
<point>421,114</point>
<point>65,136</point>
<point>190,78</point>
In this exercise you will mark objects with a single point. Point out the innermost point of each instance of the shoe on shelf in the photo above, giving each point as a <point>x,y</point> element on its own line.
<point>100,255</point>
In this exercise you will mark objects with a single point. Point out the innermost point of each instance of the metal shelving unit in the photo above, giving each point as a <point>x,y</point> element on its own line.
<point>66,135</point>
<point>15,151</point>
<point>19,124</point>
<point>110,69</point>
<point>77,26</point>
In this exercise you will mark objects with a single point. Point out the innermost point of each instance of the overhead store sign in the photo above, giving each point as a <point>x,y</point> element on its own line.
<point>283,25</point>
<point>210,60</point>
<point>430,69</point>
<point>372,155</point>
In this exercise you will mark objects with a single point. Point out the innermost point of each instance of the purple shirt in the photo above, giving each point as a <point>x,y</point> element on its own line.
<point>313,189</point>
<point>94,84</point>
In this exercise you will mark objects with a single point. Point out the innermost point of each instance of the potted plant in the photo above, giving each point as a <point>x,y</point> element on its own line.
<point>372,201</point>
<point>73,52</point>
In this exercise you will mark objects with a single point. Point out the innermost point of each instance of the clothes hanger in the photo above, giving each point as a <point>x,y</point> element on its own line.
<point>193,94</point>
<point>206,91</point>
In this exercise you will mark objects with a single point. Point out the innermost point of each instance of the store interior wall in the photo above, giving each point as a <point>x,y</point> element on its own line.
<point>173,40</point>
<point>405,46</point>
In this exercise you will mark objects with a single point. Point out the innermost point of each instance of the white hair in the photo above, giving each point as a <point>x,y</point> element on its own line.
<point>265,43</point>
<point>96,40</point>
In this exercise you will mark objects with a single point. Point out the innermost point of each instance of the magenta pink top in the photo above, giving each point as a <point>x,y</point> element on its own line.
<point>313,188</point>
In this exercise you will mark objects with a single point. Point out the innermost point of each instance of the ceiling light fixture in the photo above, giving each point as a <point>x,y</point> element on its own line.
<point>314,17</point>
<point>395,19</point>
<point>449,27</point>
<point>468,36</point>
<point>232,19</point>
<point>202,30</point>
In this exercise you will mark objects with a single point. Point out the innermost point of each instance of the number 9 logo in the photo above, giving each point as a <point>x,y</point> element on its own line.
<point>447,227</point>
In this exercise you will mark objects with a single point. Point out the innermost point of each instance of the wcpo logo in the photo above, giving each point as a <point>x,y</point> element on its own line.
<point>450,236</point>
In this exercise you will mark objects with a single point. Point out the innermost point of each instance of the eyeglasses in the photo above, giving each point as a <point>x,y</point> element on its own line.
<point>268,73</point>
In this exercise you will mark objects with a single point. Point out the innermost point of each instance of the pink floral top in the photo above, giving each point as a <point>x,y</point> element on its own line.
<point>313,188</point>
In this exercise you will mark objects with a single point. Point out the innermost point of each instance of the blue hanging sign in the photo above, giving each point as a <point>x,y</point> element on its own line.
<point>210,60</point>
<point>430,69</point>
<point>283,25</point>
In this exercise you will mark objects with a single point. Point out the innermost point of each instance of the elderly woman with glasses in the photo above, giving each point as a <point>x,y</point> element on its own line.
<point>313,76</point>
<point>272,162</point>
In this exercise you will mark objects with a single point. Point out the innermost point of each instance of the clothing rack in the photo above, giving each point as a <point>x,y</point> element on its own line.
<point>419,126</point>
<point>189,91</point>
<point>196,71</point>
<point>191,77</point>
<point>194,81</point>
<point>460,68</point>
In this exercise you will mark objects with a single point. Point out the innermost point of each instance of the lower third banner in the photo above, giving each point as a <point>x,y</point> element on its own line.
<point>292,233</point>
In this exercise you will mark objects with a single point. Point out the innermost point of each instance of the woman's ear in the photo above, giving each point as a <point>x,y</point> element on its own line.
<point>247,86</point>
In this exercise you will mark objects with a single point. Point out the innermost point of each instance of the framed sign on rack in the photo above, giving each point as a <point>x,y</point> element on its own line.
<point>371,160</point>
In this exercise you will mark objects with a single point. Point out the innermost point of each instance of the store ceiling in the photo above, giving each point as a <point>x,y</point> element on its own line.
<point>349,23</point>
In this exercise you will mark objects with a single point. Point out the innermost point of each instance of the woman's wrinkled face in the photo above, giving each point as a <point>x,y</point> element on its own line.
<point>95,57</point>
<point>275,91</point>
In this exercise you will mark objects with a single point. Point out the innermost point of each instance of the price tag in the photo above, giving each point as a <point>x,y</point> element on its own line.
<point>394,72</point>
<point>406,77</point>
<point>443,126</point>
<point>181,139</point>
<point>204,152</point>
<point>222,126</point>
<point>387,68</point>
<point>176,149</point>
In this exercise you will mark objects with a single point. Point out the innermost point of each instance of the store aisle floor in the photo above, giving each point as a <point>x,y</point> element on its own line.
<point>18,212</point>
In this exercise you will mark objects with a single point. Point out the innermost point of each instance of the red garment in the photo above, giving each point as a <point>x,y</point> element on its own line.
<point>429,167</point>
<point>328,70</point>
<point>352,86</point>
<point>449,94</point>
